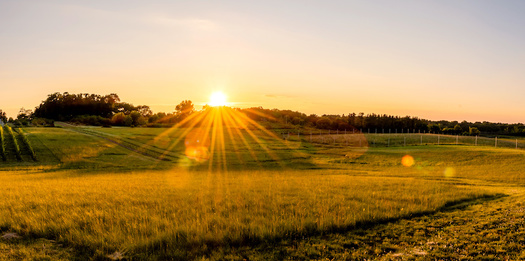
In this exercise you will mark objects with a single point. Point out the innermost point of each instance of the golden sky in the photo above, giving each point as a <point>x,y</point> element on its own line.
<point>453,60</point>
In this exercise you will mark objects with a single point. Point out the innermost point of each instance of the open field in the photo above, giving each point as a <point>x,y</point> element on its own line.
<point>139,193</point>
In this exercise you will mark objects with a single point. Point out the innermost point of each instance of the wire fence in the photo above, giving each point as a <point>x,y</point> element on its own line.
<point>358,139</point>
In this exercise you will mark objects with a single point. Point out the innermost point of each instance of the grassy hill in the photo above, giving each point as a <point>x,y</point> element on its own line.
<point>182,194</point>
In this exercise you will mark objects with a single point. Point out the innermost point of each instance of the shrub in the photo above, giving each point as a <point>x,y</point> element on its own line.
<point>15,142</point>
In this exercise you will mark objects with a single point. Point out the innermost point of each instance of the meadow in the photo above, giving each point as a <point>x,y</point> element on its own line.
<point>153,193</point>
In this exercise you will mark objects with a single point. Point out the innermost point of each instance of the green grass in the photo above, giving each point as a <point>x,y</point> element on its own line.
<point>27,143</point>
<point>97,192</point>
<point>2,141</point>
<point>18,154</point>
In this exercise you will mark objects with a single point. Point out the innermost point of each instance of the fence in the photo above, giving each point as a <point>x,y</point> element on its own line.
<point>357,139</point>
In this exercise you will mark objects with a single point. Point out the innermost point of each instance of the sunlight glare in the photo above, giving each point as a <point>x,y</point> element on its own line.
<point>218,99</point>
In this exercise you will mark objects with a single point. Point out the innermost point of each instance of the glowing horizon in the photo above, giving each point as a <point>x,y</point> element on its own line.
<point>218,98</point>
<point>438,61</point>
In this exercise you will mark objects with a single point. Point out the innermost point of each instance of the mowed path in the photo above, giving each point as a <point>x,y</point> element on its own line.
<point>489,229</point>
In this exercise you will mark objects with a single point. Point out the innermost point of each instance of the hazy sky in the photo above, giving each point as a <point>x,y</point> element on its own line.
<point>454,60</point>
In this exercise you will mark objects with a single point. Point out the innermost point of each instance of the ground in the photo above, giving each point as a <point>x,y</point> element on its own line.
<point>133,194</point>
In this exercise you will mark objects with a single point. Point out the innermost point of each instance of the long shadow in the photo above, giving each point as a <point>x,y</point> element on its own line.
<point>178,247</point>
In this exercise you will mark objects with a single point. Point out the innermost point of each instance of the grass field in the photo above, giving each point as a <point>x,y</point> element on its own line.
<point>141,194</point>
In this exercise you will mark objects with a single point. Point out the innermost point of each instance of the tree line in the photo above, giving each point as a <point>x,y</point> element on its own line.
<point>109,110</point>
<point>382,123</point>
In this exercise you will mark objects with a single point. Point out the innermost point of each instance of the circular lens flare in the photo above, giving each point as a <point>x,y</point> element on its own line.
<point>407,161</point>
<point>218,99</point>
<point>449,172</point>
<point>197,143</point>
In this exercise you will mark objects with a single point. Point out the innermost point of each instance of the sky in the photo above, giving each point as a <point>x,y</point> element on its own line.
<point>438,60</point>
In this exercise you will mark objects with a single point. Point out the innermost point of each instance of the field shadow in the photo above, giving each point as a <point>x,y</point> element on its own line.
<point>184,249</point>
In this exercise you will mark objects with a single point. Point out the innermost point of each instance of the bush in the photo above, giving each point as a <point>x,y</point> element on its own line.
<point>42,122</point>
<point>92,120</point>
<point>118,119</point>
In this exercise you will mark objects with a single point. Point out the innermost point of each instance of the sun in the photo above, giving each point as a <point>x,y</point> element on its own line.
<point>218,99</point>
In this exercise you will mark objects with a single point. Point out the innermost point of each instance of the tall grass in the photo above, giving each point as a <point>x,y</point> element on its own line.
<point>173,213</point>
<point>18,153</point>
<point>2,140</point>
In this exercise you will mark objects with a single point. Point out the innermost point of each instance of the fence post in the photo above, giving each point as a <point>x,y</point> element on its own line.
<point>405,144</point>
<point>516,143</point>
<point>421,139</point>
<point>457,137</point>
<point>438,139</point>
<point>496,141</point>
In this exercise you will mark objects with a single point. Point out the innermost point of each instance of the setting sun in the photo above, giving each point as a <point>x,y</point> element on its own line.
<point>218,99</point>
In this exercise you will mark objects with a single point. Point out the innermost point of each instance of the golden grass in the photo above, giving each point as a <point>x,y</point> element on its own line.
<point>162,212</point>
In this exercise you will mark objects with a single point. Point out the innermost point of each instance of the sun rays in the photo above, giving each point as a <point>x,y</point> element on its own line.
<point>221,136</point>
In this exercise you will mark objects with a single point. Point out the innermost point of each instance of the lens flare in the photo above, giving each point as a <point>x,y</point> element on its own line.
<point>407,161</point>
<point>449,172</point>
<point>197,143</point>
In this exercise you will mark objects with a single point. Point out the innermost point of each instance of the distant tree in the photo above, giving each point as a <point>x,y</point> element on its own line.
<point>297,121</point>
<point>66,106</point>
<point>24,114</point>
<point>323,123</point>
<point>473,131</point>
<point>118,119</point>
<point>128,121</point>
<point>434,128</point>
<point>23,117</point>
<point>144,110</point>
<point>184,109</point>
<point>3,116</point>
<point>137,118</point>
<point>458,129</point>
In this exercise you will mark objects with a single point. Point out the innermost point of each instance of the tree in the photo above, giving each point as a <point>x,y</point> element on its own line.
<point>184,109</point>
<point>3,116</point>
<point>323,123</point>
<point>137,118</point>
<point>128,121</point>
<point>458,129</point>
<point>118,119</point>
<point>434,128</point>
<point>473,131</point>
